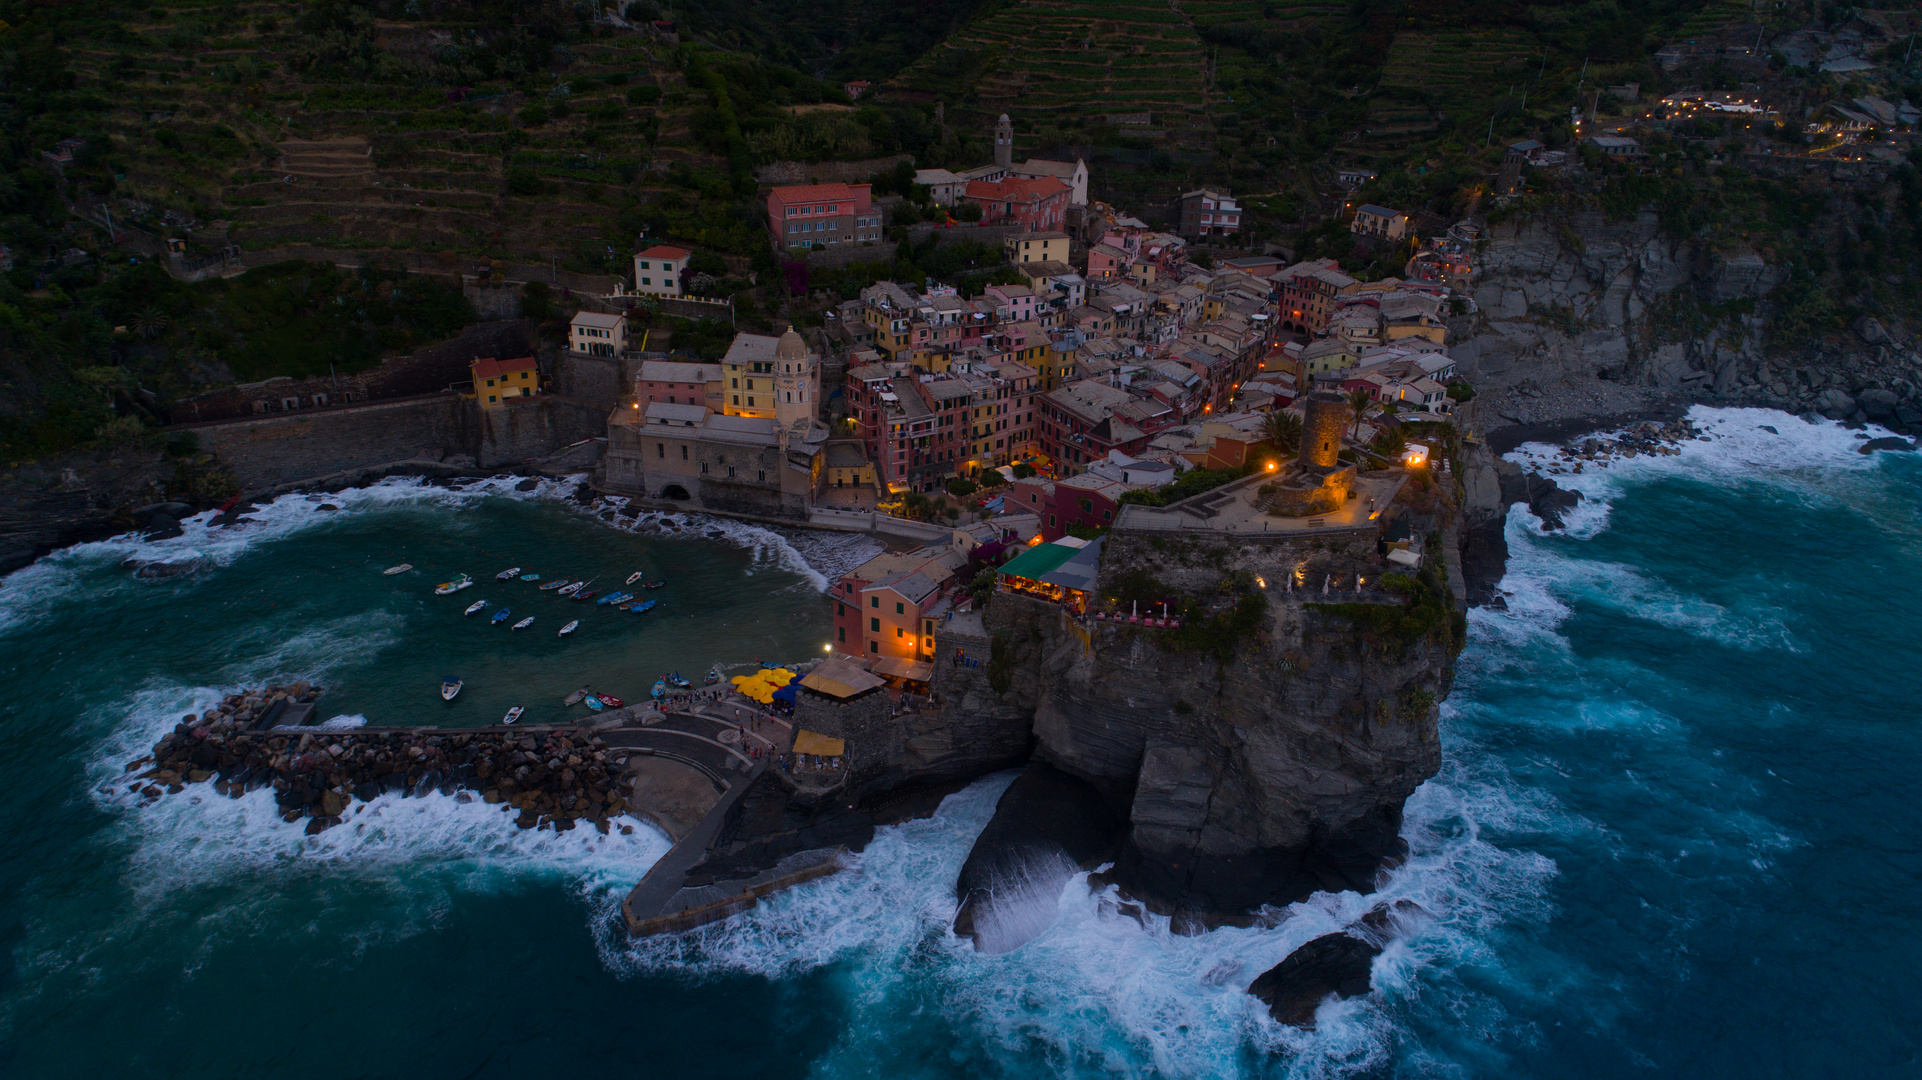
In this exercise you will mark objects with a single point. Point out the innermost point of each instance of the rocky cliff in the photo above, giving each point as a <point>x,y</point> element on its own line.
<point>1579,315</point>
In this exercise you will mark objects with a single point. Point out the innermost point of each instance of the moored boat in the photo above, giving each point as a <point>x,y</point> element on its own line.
<point>611,701</point>
<point>713,675</point>
<point>502,615</point>
<point>524,623</point>
<point>676,680</point>
<point>449,687</point>
<point>569,628</point>
<point>655,584</point>
<point>530,577</point>
<point>559,583</point>
<point>475,606</point>
<point>633,577</point>
<point>571,589</point>
<point>615,598</point>
<point>660,689</point>
<point>507,573</point>
<point>642,607</point>
<point>584,594</point>
<point>454,586</point>
<point>513,714</point>
<point>575,697</point>
<point>592,702</point>
<point>401,569</point>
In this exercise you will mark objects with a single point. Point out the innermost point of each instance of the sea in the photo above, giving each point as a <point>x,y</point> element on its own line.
<point>1674,833</point>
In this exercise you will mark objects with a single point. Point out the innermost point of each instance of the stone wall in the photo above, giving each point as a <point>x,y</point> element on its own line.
<point>1197,563</point>
<point>534,427</point>
<point>600,379</point>
<point>273,450</point>
<point>864,720</point>
<point>826,172</point>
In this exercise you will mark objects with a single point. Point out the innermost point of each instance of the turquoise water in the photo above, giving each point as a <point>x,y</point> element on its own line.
<point>1674,834</point>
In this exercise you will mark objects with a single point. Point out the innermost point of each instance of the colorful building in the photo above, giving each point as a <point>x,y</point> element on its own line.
<point>496,382</point>
<point>657,271</point>
<point>1032,205</point>
<point>822,215</point>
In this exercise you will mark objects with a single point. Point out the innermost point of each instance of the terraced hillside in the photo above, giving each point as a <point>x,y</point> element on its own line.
<point>1432,76</point>
<point>221,115</point>
<point>1047,58</point>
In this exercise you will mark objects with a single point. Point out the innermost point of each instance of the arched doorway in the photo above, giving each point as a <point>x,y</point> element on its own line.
<point>675,492</point>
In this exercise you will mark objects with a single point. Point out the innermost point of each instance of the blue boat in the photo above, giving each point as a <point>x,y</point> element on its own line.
<point>615,598</point>
<point>593,703</point>
<point>501,615</point>
<point>530,577</point>
<point>642,607</point>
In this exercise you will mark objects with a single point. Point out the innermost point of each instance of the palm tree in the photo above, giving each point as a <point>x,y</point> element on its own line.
<point>150,322</point>
<point>1362,405</point>
<point>1283,431</point>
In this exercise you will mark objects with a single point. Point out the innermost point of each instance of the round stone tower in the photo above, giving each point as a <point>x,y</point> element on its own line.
<point>1321,428</point>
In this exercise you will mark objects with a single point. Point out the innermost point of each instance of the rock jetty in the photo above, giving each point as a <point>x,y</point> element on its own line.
<point>555,778</point>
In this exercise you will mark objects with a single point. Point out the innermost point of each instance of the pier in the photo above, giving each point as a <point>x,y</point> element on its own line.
<point>680,765</point>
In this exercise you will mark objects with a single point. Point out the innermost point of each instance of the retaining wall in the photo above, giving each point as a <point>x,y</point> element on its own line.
<point>272,450</point>
<point>534,428</point>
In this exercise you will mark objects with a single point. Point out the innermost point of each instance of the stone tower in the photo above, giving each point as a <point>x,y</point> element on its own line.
<point>1321,428</point>
<point>797,380</point>
<point>1004,143</point>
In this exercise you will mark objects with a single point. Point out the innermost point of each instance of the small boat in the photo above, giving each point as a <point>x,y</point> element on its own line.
<point>713,676</point>
<point>768,665</point>
<point>611,701</point>
<point>453,586</point>
<point>569,628</point>
<point>530,577</point>
<point>643,607</point>
<point>584,594</point>
<point>513,714</point>
<point>655,584</point>
<point>631,578</point>
<point>660,689</point>
<point>568,590</point>
<point>524,623</point>
<point>677,681</point>
<point>560,584</point>
<point>401,569</point>
<point>475,606</point>
<point>593,703</point>
<point>575,697</point>
<point>501,615</point>
<point>449,687</point>
<point>507,573</point>
<point>615,598</point>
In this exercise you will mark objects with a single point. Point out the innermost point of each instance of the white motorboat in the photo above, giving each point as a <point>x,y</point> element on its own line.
<point>513,714</point>
<point>454,586</point>
<point>572,587</point>
<point>475,606</point>
<point>524,623</point>
<point>569,628</point>
<point>507,573</point>
<point>631,578</point>
<point>401,569</point>
<point>449,687</point>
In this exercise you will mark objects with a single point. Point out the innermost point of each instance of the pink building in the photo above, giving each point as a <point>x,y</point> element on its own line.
<point>676,382</point>
<point>1035,205</point>
<point>1012,303</point>
<point>822,215</point>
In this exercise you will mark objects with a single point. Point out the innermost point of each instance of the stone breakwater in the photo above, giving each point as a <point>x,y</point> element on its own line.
<point>553,778</point>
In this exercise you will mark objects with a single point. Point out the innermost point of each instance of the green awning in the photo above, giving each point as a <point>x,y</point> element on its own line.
<point>1038,560</point>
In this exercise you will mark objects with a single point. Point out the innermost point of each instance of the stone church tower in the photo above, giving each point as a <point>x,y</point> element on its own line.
<point>1004,144</point>
<point>797,380</point>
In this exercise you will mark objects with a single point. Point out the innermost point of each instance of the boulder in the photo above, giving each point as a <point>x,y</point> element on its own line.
<point>1877,404</point>
<point>1335,964</point>
<point>1834,404</point>
<point>1870,330</point>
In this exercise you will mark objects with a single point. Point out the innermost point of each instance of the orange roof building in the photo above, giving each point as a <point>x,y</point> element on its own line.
<point>496,382</point>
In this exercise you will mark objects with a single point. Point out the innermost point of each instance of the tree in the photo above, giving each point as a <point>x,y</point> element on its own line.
<point>992,478</point>
<point>961,487</point>
<point>1361,405</point>
<point>1023,470</point>
<point>149,322</point>
<point>1283,431</point>
<point>968,211</point>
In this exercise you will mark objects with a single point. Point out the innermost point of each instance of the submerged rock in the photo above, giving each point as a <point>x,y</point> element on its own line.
<point>1336,964</point>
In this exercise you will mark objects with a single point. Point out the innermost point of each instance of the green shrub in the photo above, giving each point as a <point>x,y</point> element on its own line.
<point>643,95</point>
<point>523,181</point>
<point>534,115</point>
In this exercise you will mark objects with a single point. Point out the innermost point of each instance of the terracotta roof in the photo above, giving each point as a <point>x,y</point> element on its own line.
<point>490,368</point>
<point>817,192</point>
<point>665,251</point>
<point>1013,190</point>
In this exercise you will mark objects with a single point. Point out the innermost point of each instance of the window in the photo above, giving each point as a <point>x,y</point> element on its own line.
<point>841,634</point>
<point>491,399</point>
<point>644,265</point>
<point>737,399</point>
<point>760,474</point>
<point>730,472</point>
<point>736,386</point>
<point>900,633</point>
<point>660,450</point>
<point>872,647</point>
<point>900,608</point>
<point>874,626</point>
<point>840,608</point>
<point>683,453</point>
<point>874,601</point>
<point>490,382</point>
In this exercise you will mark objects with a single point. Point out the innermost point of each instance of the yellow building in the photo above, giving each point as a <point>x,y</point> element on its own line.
<point>1036,247</point>
<point>498,381</point>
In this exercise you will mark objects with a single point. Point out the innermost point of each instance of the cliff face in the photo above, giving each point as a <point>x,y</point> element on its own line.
<point>1255,781</point>
<point>1579,315</point>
